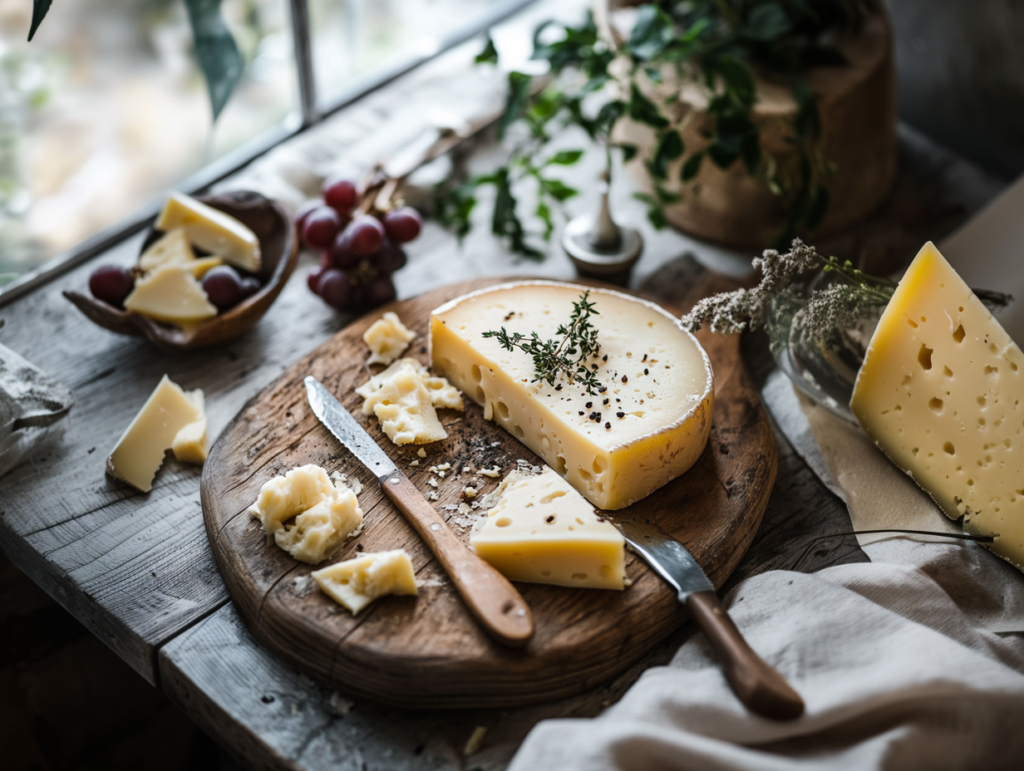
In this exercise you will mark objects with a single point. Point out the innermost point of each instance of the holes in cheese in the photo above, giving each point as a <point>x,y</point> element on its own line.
<point>306,513</point>
<point>542,531</point>
<point>404,397</point>
<point>942,400</point>
<point>648,425</point>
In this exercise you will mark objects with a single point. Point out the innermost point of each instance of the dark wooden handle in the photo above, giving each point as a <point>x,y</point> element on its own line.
<point>492,600</point>
<point>762,689</point>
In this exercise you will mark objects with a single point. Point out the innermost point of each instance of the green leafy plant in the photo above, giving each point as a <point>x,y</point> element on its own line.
<point>216,50</point>
<point>718,45</point>
<point>569,357</point>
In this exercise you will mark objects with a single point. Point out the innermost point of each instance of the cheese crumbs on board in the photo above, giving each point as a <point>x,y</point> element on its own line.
<point>355,583</point>
<point>404,397</point>
<point>307,515</point>
<point>387,338</point>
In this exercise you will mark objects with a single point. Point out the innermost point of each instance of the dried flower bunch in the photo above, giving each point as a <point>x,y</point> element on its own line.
<point>835,306</point>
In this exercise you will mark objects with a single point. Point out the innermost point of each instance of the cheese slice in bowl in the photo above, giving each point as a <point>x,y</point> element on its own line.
<point>646,425</point>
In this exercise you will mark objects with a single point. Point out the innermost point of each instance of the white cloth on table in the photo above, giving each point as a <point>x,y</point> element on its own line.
<point>893,673</point>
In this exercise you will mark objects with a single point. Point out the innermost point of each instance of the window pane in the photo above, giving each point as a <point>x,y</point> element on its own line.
<point>106,109</point>
<point>351,38</point>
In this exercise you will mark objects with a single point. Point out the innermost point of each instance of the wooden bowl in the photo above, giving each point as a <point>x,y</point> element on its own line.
<point>279,250</point>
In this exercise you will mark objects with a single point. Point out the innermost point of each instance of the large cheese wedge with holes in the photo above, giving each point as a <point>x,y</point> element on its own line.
<point>941,392</point>
<point>647,424</point>
<point>542,531</point>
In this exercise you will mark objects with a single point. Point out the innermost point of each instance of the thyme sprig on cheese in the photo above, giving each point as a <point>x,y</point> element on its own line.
<point>569,357</point>
<point>830,307</point>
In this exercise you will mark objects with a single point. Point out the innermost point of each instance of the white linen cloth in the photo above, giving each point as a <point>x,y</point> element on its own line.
<point>911,661</point>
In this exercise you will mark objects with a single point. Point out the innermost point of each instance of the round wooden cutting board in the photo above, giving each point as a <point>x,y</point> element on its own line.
<point>427,651</point>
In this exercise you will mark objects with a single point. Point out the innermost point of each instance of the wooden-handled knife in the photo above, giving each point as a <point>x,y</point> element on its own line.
<point>760,687</point>
<point>491,599</point>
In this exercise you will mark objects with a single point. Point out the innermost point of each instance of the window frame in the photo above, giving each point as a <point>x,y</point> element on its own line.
<point>311,112</point>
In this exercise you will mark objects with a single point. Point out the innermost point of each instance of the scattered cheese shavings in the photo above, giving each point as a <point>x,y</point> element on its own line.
<point>421,452</point>
<point>414,463</point>
<point>354,485</point>
<point>432,496</point>
<point>467,469</point>
<point>444,467</point>
<point>493,473</point>
<point>475,740</point>
<point>440,474</point>
<point>464,508</point>
<point>469,492</point>
<point>432,482</point>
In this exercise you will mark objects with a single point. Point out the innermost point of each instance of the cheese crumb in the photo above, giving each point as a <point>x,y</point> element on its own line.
<point>444,467</point>
<point>432,482</point>
<point>469,492</point>
<point>493,473</point>
<point>432,496</point>
<point>387,338</point>
<point>414,463</point>
<point>421,452</point>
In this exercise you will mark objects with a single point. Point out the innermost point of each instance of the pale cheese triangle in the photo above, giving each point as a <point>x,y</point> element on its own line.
<point>171,294</point>
<point>212,230</point>
<point>172,248</point>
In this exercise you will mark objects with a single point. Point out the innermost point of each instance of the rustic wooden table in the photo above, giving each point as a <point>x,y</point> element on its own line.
<point>137,569</point>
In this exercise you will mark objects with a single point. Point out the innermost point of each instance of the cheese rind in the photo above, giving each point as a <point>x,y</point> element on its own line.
<point>139,452</point>
<point>357,582</point>
<point>543,531</point>
<point>941,392</point>
<point>171,294</point>
<point>615,447</point>
<point>403,398</point>
<point>387,338</point>
<point>324,515</point>
<point>212,230</point>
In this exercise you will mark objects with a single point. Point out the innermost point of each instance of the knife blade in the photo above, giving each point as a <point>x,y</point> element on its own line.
<point>489,596</point>
<point>756,683</point>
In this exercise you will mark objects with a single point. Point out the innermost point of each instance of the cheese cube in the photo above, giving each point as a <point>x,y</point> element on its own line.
<point>647,427</point>
<point>356,583</point>
<point>212,230</point>
<point>941,392</point>
<point>171,294</point>
<point>324,515</point>
<point>544,532</point>
<point>139,452</point>
<point>387,338</point>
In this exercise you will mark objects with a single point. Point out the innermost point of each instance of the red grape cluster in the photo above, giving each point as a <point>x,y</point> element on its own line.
<point>360,250</point>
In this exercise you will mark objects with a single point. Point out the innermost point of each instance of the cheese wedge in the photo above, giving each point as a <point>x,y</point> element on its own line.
<point>139,452</point>
<point>387,338</point>
<point>171,294</point>
<point>404,397</point>
<point>648,425</point>
<point>306,513</point>
<point>542,531</point>
<point>172,248</point>
<point>356,583</point>
<point>212,230</point>
<point>941,392</point>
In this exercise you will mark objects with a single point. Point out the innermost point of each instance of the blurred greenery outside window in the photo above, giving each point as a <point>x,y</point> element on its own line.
<point>106,109</point>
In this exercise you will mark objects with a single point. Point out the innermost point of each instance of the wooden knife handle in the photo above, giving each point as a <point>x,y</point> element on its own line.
<point>759,686</point>
<point>492,600</point>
